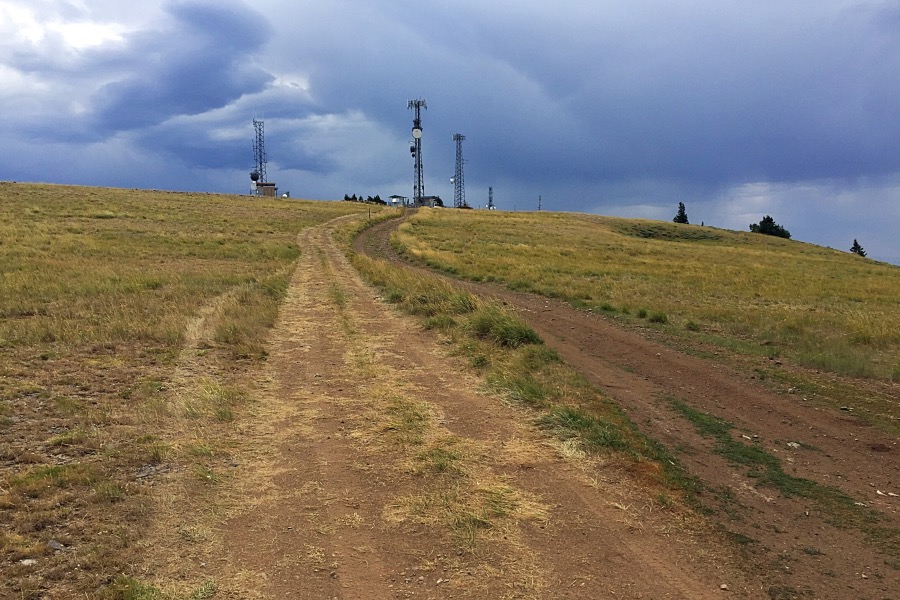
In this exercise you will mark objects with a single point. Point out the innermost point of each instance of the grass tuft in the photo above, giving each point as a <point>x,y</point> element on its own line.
<point>501,327</point>
<point>594,433</point>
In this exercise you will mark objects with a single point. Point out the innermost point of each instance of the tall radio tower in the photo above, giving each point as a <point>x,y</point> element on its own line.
<point>259,153</point>
<point>416,150</point>
<point>490,198</point>
<point>459,184</point>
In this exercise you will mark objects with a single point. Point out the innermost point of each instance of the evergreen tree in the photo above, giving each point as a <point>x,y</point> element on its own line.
<point>857,249</point>
<point>768,226</point>
<point>681,217</point>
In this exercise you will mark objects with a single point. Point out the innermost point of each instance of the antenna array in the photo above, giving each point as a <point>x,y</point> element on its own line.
<point>259,153</point>
<point>459,185</point>
<point>416,150</point>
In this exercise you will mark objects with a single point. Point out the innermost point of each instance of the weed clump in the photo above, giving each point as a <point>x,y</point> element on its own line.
<point>659,317</point>
<point>501,327</point>
<point>594,432</point>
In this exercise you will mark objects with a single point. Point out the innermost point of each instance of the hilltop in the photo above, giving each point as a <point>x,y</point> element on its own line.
<point>201,397</point>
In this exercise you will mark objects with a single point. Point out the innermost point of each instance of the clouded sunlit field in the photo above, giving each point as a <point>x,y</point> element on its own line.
<point>759,294</point>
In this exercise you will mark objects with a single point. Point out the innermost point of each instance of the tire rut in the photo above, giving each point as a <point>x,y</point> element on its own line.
<point>793,544</point>
<point>338,508</point>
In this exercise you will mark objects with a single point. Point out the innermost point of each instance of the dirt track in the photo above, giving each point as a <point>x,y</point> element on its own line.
<point>344,503</point>
<point>793,550</point>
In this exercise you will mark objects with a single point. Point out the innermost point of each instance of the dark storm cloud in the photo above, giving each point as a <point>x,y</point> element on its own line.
<point>201,63</point>
<point>200,144</point>
<point>712,92</point>
<point>801,103</point>
<point>619,107</point>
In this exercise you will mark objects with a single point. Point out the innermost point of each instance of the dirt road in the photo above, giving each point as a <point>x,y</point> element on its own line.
<point>383,470</point>
<point>794,546</point>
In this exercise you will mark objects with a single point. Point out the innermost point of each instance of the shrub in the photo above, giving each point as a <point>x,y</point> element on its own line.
<point>768,226</point>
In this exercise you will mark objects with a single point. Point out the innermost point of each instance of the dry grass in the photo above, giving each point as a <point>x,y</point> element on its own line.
<point>823,308</point>
<point>130,323</point>
<point>451,486</point>
<point>513,362</point>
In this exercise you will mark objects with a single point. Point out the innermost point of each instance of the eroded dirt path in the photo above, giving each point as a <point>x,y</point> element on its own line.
<point>382,471</point>
<point>795,547</point>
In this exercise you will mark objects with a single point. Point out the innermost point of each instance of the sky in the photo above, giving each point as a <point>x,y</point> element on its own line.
<point>617,107</point>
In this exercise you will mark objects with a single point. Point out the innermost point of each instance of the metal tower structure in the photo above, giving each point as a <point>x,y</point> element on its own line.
<point>416,149</point>
<point>259,153</point>
<point>459,183</point>
<point>539,203</point>
<point>490,198</point>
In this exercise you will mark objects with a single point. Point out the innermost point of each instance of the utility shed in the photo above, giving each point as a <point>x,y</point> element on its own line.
<point>266,189</point>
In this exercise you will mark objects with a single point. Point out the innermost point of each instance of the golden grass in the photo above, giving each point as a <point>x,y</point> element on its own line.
<point>513,362</point>
<point>100,291</point>
<point>758,294</point>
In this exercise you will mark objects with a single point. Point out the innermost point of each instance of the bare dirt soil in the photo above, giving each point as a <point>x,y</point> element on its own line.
<point>791,547</point>
<point>380,468</point>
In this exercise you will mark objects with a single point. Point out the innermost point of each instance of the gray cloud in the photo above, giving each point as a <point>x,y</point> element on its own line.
<point>198,64</point>
<point>621,107</point>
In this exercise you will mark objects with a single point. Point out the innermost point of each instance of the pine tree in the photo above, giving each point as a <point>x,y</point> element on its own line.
<point>857,249</point>
<point>681,217</point>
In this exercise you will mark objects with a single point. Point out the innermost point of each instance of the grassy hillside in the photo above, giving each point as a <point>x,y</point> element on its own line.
<point>98,290</point>
<point>757,294</point>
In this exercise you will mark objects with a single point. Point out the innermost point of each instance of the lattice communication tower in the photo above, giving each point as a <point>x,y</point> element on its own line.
<point>258,174</point>
<point>416,150</point>
<point>459,183</point>
<point>490,198</point>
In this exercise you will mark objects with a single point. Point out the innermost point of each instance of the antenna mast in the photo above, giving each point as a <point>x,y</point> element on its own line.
<point>416,150</point>
<point>259,153</point>
<point>490,198</point>
<point>459,185</point>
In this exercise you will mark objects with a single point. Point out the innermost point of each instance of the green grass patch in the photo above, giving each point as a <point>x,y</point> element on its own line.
<point>128,588</point>
<point>501,327</point>
<point>593,432</point>
<point>206,475</point>
<point>440,459</point>
<point>408,420</point>
<point>43,480</point>
<point>337,295</point>
<point>839,508</point>
<point>761,465</point>
<point>77,437</point>
<point>658,317</point>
